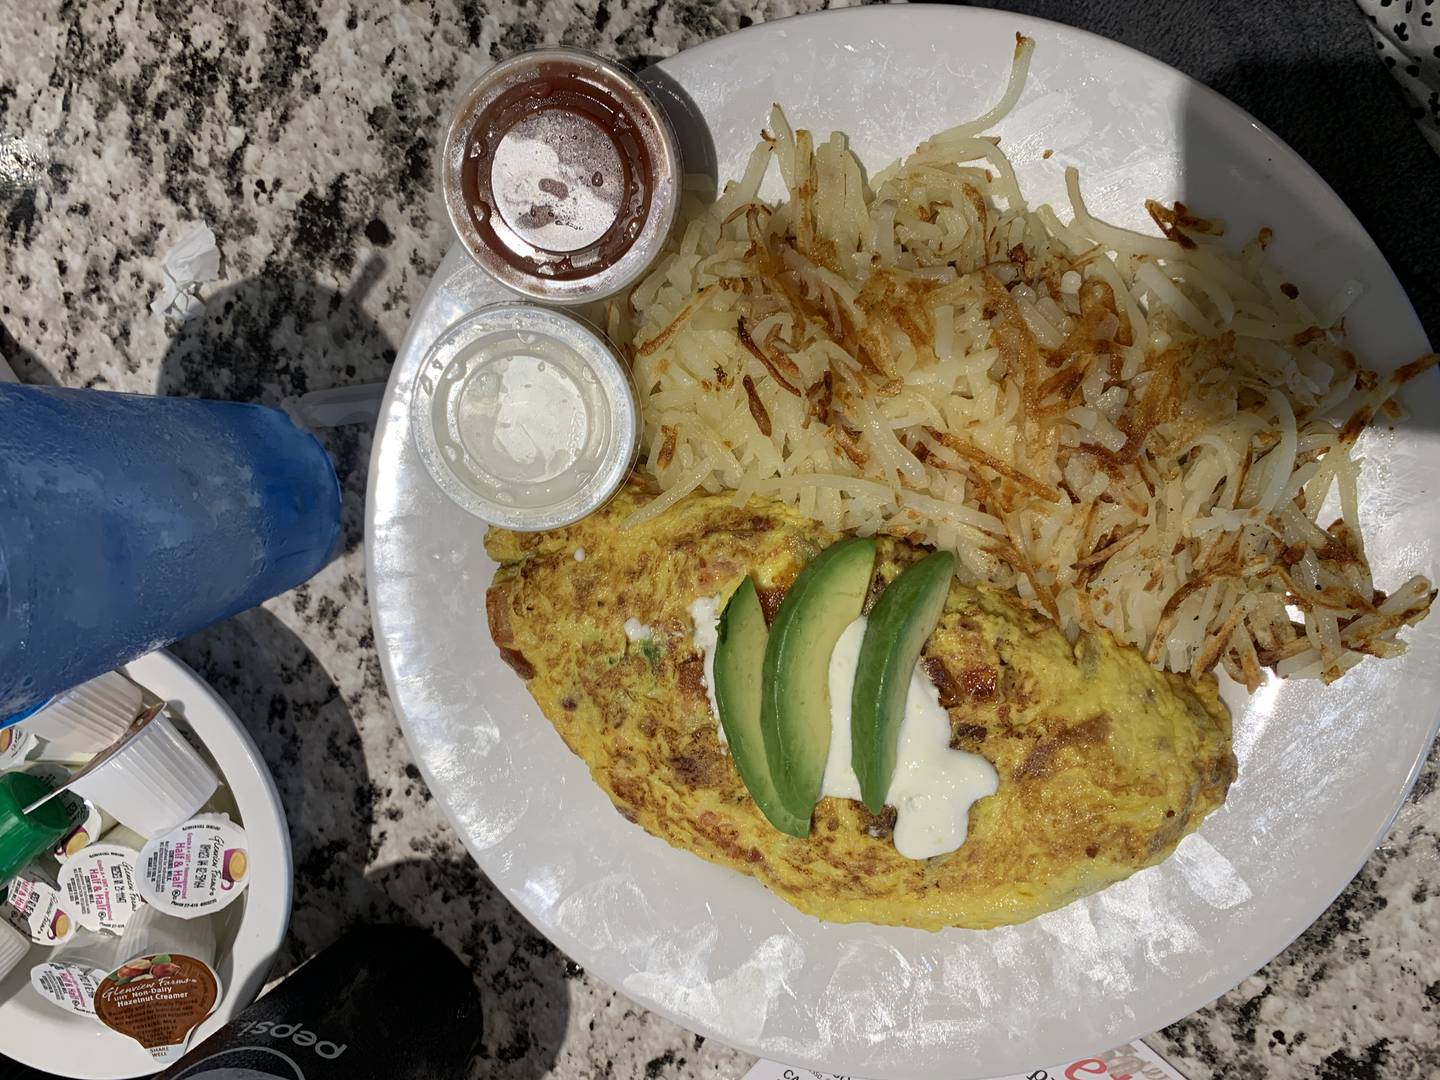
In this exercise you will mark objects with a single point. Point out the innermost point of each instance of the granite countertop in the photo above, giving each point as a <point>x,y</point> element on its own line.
<point>304,134</point>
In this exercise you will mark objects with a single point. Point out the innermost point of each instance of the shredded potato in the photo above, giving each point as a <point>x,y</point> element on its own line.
<point>1133,432</point>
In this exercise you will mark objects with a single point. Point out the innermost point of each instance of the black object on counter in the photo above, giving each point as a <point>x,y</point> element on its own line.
<point>388,1002</point>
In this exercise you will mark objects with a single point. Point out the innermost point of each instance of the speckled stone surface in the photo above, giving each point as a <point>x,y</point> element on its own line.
<point>304,134</point>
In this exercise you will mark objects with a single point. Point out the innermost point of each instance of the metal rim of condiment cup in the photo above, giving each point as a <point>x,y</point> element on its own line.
<point>587,341</point>
<point>664,199</point>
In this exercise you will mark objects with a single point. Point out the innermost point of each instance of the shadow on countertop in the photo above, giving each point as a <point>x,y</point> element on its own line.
<point>25,364</point>
<point>271,338</point>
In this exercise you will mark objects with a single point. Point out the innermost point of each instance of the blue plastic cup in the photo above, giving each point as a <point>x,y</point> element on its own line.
<point>129,521</point>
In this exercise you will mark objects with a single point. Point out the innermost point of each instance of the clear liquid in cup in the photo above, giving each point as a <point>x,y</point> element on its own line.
<point>529,420</point>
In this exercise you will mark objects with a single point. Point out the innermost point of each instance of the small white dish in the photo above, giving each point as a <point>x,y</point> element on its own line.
<point>249,933</point>
<point>153,783</point>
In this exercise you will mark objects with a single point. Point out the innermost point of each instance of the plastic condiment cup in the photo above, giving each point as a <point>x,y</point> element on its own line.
<point>35,906</point>
<point>525,416</point>
<point>153,783</point>
<point>13,947</point>
<point>83,721</point>
<point>23,836</point>
<point>561,175</point>
<point>99,888</point>
<point>195,870</point>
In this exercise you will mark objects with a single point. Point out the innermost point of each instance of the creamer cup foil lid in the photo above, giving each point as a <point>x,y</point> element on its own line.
<point>71,974</point>
<point>98,885</point>
<point>70,986</point>
<point>35,907</point>
<point>197,869</point>
<point>15,746</point>
<point>93,823</point>
<point>158,999</point>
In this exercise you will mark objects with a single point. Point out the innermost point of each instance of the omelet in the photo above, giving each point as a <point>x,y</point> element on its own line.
<point>1104,763</point>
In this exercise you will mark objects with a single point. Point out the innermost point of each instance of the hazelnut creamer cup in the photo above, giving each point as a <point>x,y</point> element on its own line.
<point>165,984</point>
<point>152,783</point>
<point>158,999</point>
<point>195,870</point>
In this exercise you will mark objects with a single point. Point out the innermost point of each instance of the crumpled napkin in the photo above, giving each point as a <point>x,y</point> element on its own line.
<point>193,260</point>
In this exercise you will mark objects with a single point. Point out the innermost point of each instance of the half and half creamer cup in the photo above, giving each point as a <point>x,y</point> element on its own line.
<point>167,985</point>
<point>69,978</point>
<point>195,870</point>
<point>98,883</point>
<point>94,823</point>
<point>35,906</point>
<point>16,743</point>
<point>87,822</point>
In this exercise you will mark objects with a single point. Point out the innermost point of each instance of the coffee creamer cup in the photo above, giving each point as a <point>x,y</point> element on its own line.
<point>98,883</point>
<point>35,906</point>
<point>15,746</point>
<point>197,869</point>
<point>69,976</point>
<point>158,999</point>
<point>94,824</point>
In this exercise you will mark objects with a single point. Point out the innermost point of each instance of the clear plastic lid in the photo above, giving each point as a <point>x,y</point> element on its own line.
<point>561,175</point>
<point>526,416</point>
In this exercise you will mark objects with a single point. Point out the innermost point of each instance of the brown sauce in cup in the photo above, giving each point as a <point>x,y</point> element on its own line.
<point>558,175</point>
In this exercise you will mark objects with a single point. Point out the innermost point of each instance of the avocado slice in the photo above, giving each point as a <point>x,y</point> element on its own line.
<point>795,689</point>
<point>739,657</point>
<point>900,623</point>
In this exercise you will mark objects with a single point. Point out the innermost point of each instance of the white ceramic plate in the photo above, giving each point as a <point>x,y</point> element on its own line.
<point>1322,771</point>
<point>249,931</point>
